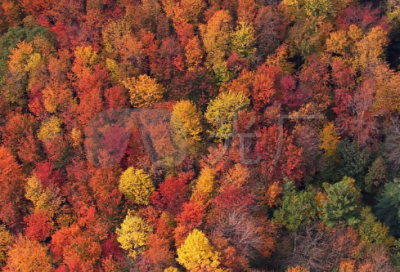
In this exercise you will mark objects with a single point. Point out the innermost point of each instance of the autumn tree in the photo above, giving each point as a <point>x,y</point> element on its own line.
<point>186,120</point>
<point>216,36</point>
<point>136,185</point>
<point>144,91</point>
<point>197,253</point>
<point>316,244</point>
<point>159,250</point>
<point>278,163</point>
<point>76,249</point>
<point>243,40</point>
<point>171,194</point>
<point>306,137</point>
<point>314,82</point>
<point>39,226</point>
<point>6,241</point>
<point>269,29</point>
<point>205,185</point>
<point>90,87</point>
<point>223,111</point>
<point>85,60</point>
<point>193,9</point>
<point>121,47</point>
<point>11,183</point>
<point>193,53</point>
<point>39,195</point>
<point>189,219</point>
<point>50,128</point>
<point>28,255</point>
<point>329,139</point>
<point>133,235</point>
<point>266,86</point>
<point>250,235</point>
<point>183,28</point>
<point>19,136</point>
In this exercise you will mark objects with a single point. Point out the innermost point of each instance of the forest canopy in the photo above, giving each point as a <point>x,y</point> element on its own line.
<point>200,136</point>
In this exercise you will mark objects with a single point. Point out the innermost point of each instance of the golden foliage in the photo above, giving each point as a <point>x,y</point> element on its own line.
<point>77,136</point>
<point>186,120</point>
<point>216,35</point>
<point>329,139</point>
<point>222,111</point>
<point>197,252</point>
<point>136,185</point>
<point>85,59</point>
<point>41,198</point>
<point>133,234</point>
<point>370,50</point>
<point>50,128</point>
<point>6,241</point>
<point>243,40</point>
<point>144,91</point>
<point>205,185</point>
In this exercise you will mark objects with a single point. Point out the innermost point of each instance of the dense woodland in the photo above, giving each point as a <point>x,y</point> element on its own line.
<point>199,135</point>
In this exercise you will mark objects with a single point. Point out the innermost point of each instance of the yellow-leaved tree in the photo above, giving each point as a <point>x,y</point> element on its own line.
<point>329,139</point>
<point>136,185</point>
<point>50,128</point>
<point>6,241</point>
<point>133,234</point>
<point>222,111</point>
<point>34,192</point>
<point>370,51</point>
<point>243,40</point>
<point>387,97</point>
<point>186,120</point>
<point>196,253</point>
<point>144,91</point>
<point>23,58</point>
<point>216,36</point>
<point>85,59</point>
<point>204,185</point>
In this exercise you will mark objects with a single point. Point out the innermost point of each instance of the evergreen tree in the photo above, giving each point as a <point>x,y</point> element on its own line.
<point>297,208</point>
<point>353,159</point>
<point>376,176</point>
<point>342,203</point>
<point>388,207</point>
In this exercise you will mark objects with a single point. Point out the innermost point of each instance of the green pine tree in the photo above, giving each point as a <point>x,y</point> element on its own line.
<point>297,208</point>
<point>341,205</point>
